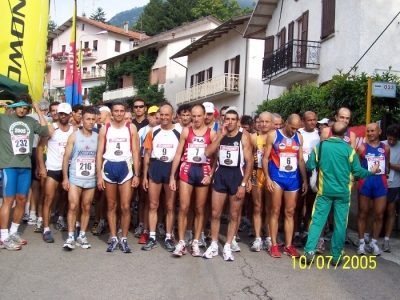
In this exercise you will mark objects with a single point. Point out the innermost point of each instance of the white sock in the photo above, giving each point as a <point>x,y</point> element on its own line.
<point>123,238</point>
<point>13,228</point>
<point>386,239</point>
<point>258,239</point>
<point>321,239</point>
<point>71,235</point>
<point>227,245</point>
<point>77,224</point>
<point>46,229</point>
<point>153,235</point>
<point>40,219</point>
<point>60,218</point>
<point>195,241</point>
<point>183,242</point>
<point>268,238</point>
<point>362,241</point>
<point>27,205</point>
<point>32,214</point>
<point>81,233</point>
<point>167,236</point>
<point>4,234</point>
<point>374,241</point>
<point>214,244</point>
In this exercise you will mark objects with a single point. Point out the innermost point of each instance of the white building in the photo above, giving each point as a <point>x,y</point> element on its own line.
<point>98,40</point>
<point>316,38</point>
<point>224,68</point>
<point>169,74</point>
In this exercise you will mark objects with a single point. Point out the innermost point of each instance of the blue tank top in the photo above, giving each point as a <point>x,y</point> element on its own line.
<point>373,156</point>
<point>83,157</point>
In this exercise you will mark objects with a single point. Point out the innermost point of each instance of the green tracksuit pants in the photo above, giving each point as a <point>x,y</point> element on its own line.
<point>321,209</point>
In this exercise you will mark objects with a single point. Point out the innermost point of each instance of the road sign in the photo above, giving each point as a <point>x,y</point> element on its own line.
<point>384,89</point>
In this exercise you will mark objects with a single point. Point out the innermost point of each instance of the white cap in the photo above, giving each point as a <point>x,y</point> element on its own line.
<point>209,107</point>
<point>105,108</point>
<point>234,108</point>
<point>64,108</point>
<point>324,121</point>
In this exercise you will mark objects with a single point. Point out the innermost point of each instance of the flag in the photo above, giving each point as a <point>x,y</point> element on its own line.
<point>73,83</point>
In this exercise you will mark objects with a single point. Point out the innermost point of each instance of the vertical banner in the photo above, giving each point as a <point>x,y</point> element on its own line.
<point>73,84</point>
<point>23,42</point>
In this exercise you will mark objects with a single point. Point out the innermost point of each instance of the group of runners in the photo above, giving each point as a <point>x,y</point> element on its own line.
<point>216,165</point>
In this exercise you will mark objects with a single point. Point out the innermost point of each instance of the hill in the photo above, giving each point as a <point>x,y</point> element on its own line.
<point>131,16</point>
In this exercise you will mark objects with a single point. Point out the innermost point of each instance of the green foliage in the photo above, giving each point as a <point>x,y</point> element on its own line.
<point>51,26</point>
<point>96,94</point>
<point>131,16</point>
<point>152,94</point>
<point>222,10</point>
<point>99,15</point>
<point>343,90</point>
<point>151,21</point>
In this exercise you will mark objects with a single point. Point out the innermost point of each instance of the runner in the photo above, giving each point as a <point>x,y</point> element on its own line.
<point>140,108</point>
<point>105,114</point>
<point>195,173</point>
<point>343,114</point>
<point>222,114</point>
<point>128,117</point>
<point>185,115</point>
<point>76,117</point>
<point>16,134</point>
<point>53,110</point>
<point>209,118</point>
<point>372,188</point>
<point>284,148</point>
<point>234,150</point>
<point>277,121</point>
<point>79,178</point>
<point>118,148</point>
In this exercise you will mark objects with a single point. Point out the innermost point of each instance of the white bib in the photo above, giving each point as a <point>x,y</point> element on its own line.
<point>20,144</point>
<point>228,155</point>
<point>377,160</point>
<point>164,152</point>
<point>287,162</point>
<point>85,167</point>
<point>260,155</point>
<point>306,155</point>
<point>195,153</point>
<point>61,148</point>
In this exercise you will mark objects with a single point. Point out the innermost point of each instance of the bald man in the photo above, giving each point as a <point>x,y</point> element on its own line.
<point>283,163</point>
<point>372,188</point>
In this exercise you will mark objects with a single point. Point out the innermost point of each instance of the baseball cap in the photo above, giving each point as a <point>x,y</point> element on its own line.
<point>234,108</point>
<point>152,109</point>
<point>209,107</point>
<point>216,113</point>
<point>324,121</point>
<point>64,108</point>
<point>104,108</point>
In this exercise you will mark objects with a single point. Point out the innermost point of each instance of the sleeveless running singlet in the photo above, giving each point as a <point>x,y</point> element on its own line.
<point>375,156</point>
<point>194,147</point>
<point>118,143</point>
<point>231,152</point>
<point>56,147</point>
<point>165,144</point>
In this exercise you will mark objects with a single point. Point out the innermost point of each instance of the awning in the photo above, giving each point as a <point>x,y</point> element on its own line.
<point>10,88</point>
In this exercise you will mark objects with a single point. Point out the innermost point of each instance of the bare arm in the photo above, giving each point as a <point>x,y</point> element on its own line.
<point>248,157</point>
<point>39,152</point>
<point>99,158</point>
<point>135,155</point>
<point>353,139</point>
<point>146,163</point>
<point>324,134</point>
<point>212,148</point>
<point>66,157</point>
<point>177,158</point>
<point>267,152</point>
<point>302,167</point>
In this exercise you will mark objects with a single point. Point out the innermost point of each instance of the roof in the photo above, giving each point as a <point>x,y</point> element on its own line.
<point>260,18</point>
<point>212,35</point>
<point>110,28</point>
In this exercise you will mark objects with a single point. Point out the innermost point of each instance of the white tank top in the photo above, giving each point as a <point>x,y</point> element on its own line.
<point>118,143</point>
<point>56,147</point>
<point>165,143</point>
<point>310,140</point>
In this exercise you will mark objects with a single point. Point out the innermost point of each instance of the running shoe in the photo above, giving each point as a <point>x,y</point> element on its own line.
<point>83,242</point>
<point>336,262</point>
<point>202,241</point>
<point>356,242</point>
<point>123,246</point>
<point>309,257</point>
<point>61,225</point>
<point>38,227</point>
<point>138,232</point>
<point>373,248</point>
<point>160,231</point>
<point>143,238</point>
<point>237,238</point>
<point>320,246</point>
<point>211,252</point>
<point>328,235</point>
<point>150,244</point>
<point>119,234</point>
<point>195,250</point>
<point>386,246</point>
<point>101,229</point>
<point>297,241</point>
<point>267,245</point>
<point>244,226</point>
<point>169,245</point>
<point>25,218</point>
<point>274,252</point>
<point>16,237</point>
<point>47,237</point>
<point>69,244</point>
<point>94,227</point>
<point>53,219</point>
<point>9,244</point>
<point>291,251</point>
<point>113,246</point>
<point>234,246</point>
<point>361,249</point>
<point>32,221</point>
<point>180,249</point>
<point>256,247</point>
<point>77,232</point>
<point>227,254</point>
<point>188,238</point>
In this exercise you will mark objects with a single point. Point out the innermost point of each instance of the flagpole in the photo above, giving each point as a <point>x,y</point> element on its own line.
<point>75,88</point>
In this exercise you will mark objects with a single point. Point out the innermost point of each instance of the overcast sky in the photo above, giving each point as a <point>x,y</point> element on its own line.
<point>61,10</point>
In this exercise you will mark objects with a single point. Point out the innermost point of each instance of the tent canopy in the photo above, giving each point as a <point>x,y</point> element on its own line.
<point>10,88</point>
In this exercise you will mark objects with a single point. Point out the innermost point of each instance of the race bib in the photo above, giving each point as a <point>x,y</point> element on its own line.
<point>85,167</point>
<point>164,152</point>
<point>119,145</point>
<point>61,148</point>
<point>306,155</point>
<point>287,162</point>
<point>20,144</point>
<point>195,153</point>
<point>228,155</point>
<point>260,155</point>
<point>377,160</point>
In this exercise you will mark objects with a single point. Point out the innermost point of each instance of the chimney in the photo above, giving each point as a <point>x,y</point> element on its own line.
<point>126,26</point>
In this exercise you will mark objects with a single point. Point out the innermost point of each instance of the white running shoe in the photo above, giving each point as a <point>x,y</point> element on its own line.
<point>180,249</point>
<point>69,244</point>
<point>202,240</point>
<point>211,252</point>
<point>25,218</point>
<point>32,221</point>
<point>9,244</point>
<point>227,254</point>
<point>256,247</point>
<point>83,242</point>
<point>373,248</point>
<point>234,246</point>
<point>320,246</point>
<point>361,249</point>
<point>267,244</point>
<point>188,238</point>
<point>195,250</point>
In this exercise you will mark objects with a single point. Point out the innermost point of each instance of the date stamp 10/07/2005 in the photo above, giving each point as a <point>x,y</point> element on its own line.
<point>345,262</point>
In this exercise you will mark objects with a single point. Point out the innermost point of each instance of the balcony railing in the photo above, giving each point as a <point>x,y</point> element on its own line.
<point>295,54</point>
<point>58,83</point>
<point>119,94</point>
<point>94,75</point>
<point>216,85</point>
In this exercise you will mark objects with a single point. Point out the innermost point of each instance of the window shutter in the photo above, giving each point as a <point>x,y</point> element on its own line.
<point>328,18</point>
<point>226,68</point>
<point>191,80</point>
<point>304,37</point>
<point>237,64</point>
<point>210,71</point>
<point>290,32</point>
<point>269,46</point>
<point>282,37</point>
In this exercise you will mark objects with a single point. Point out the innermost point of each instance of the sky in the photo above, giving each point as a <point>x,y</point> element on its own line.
<point>61,10</point>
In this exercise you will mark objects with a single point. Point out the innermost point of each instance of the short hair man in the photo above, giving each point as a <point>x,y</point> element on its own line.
<point>76,117</point>
<point>209,119</point>
<point>140,108</point>
<point>277,121</point>
<point>53,110</point>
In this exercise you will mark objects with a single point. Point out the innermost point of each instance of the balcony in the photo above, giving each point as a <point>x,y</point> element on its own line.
<point>121,94</point>
<point>294,62</point>
<point>58,83</point>
<point>94,75</point>
<point>210,90</point>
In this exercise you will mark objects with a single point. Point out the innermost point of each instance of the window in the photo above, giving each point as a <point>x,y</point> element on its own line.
<point>63,48</point>
<point>85,91</point>
<point>302,35</point>
<point>281,38</point>
<point>86,45</point>
<point>84,70</point>
<point>62,74</point>
<point>328,18</point>
<point>269,46</point>
<point>93,70</point>
<point>232,66</point>
<point>94,45</point>
<point>117,46</point>
<point>83,26</point>
<point>209,73</point>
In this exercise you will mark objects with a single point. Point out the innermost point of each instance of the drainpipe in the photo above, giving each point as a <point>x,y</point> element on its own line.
<point>245,75</point>
<point>186,71</point>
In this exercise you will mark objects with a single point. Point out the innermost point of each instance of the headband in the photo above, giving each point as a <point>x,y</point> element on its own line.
<point>19,104</point>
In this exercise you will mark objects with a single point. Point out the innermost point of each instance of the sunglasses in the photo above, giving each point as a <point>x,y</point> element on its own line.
<point>138,106</point>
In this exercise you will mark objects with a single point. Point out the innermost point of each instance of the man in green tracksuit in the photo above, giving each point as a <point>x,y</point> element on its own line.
<point>337,164</point>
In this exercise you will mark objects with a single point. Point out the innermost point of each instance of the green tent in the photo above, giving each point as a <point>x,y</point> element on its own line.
<point>10,88</point>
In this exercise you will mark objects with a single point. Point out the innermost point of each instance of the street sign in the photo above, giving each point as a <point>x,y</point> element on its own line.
<point>384,89</point>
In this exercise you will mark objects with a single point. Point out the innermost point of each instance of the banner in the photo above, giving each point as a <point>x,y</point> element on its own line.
<point>23,42</point>
<point>73,82</point>
<point>360,134</point>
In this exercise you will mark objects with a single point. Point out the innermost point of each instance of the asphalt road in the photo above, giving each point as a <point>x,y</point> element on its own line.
<point>46,271</point>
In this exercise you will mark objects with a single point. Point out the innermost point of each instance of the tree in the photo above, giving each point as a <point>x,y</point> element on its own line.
<point>96,94</point>
<point>99,15</point>
<point>152,20</point>
<point>51,26</point>
<point>222,10</point>
<point>178,12</point>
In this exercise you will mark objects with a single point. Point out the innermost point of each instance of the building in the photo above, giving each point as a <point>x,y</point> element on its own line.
<point>98,41</point>
<point>313,40</point>
<point>224,68</point>
<point>169,74</point>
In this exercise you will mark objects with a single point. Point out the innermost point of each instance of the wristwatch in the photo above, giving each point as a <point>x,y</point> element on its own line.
<point>136,175</point>
<point>243,184</point>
